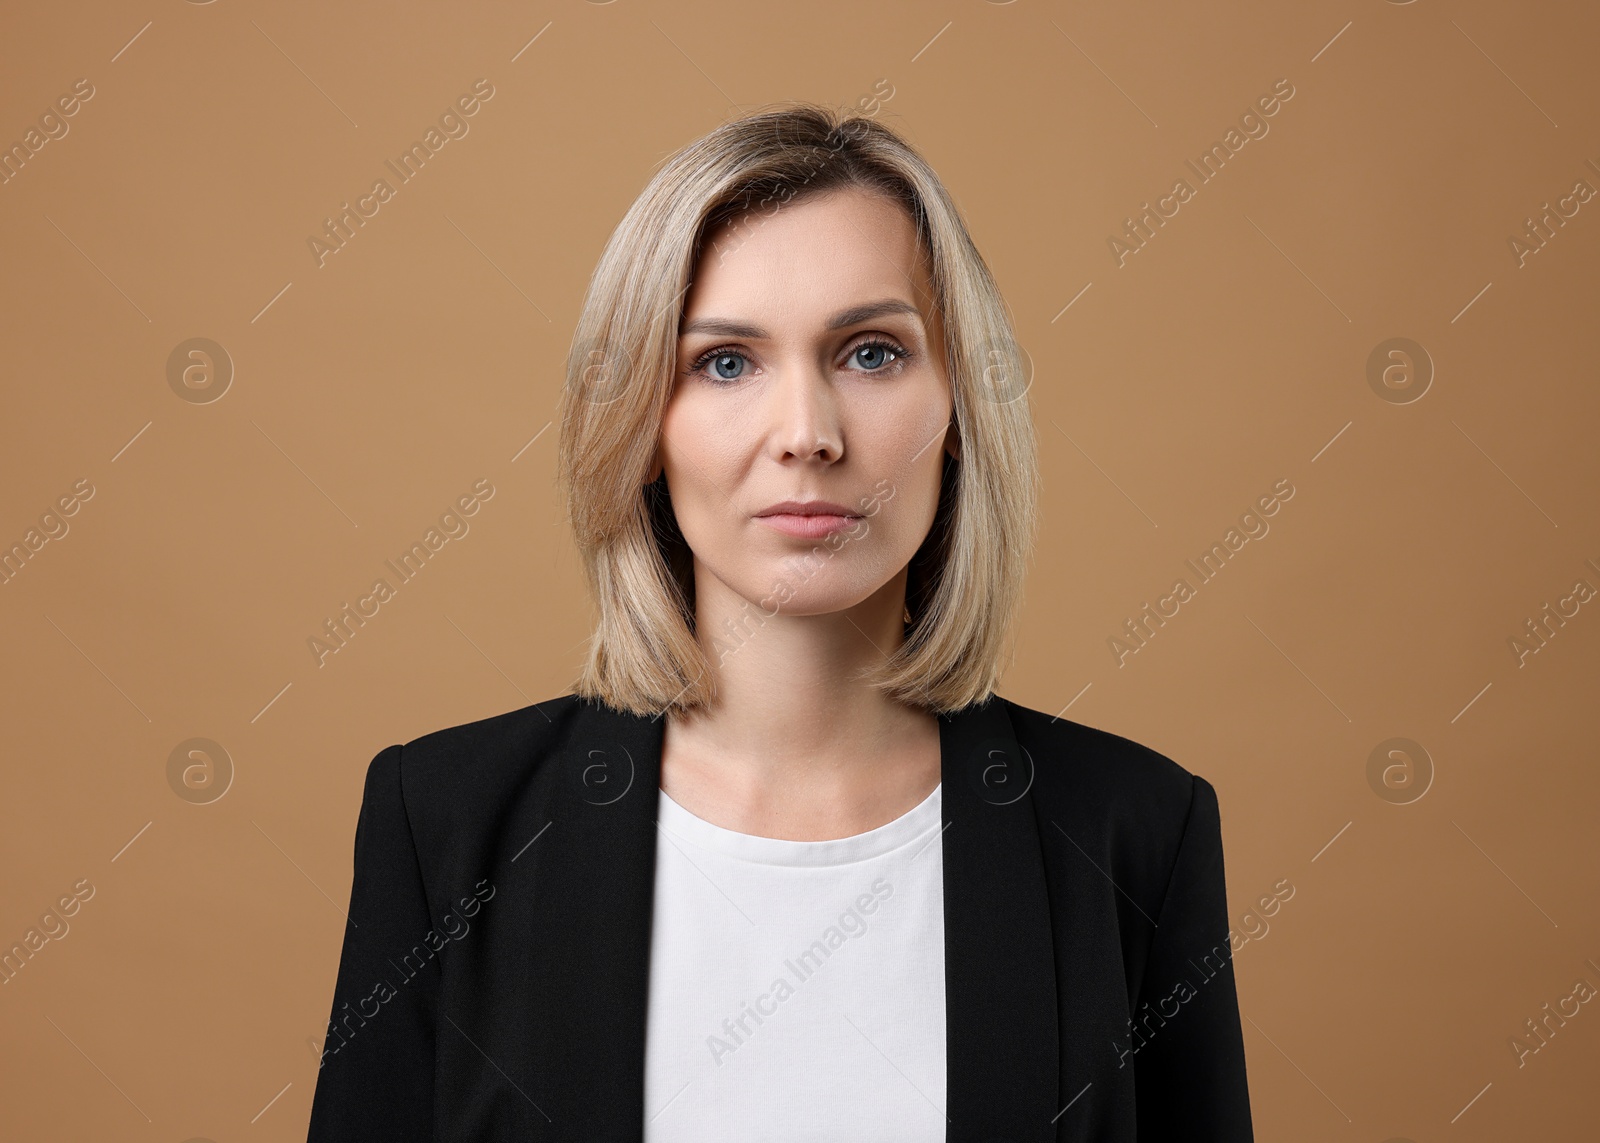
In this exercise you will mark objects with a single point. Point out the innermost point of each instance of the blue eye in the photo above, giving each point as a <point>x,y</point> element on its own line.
<point>873,355</point>
<point>725,365</point>
<point>722,364</point>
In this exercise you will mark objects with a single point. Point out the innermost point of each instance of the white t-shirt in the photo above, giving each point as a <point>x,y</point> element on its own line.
<point>797,987</point>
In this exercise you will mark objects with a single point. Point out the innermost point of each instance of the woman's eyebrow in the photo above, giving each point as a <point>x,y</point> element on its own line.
<point>727,327</point>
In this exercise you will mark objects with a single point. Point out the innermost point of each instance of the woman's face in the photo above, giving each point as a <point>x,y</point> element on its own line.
<point>810,368</point>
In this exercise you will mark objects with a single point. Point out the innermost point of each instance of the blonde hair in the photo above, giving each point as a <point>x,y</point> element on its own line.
<point>964,583</point>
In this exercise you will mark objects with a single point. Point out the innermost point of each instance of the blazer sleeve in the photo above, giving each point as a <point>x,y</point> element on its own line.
<point>1189,1080</point>
<point>375,1081</point>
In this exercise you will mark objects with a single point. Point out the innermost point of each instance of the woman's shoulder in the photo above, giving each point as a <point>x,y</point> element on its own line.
<point>504,733</point>
<point>1078,773</point>
<point>1103,777</point>
<point>478,761</point>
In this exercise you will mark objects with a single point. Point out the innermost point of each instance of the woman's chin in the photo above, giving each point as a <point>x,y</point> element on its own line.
<point>811,601</point>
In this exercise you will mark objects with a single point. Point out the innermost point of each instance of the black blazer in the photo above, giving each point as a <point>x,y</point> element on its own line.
<point>493,979</point>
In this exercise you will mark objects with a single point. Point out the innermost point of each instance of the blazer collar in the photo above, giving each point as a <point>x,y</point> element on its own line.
<point>590,931</point>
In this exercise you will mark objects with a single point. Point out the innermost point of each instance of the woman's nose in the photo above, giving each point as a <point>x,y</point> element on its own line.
<point>805,415</point>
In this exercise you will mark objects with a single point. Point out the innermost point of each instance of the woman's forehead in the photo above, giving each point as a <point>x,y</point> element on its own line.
<point>808,261</point>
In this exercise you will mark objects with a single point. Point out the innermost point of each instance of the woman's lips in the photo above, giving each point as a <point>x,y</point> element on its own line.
<point>807,527</point>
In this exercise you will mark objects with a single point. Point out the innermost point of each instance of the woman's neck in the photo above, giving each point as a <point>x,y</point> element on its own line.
<point>792,746</point>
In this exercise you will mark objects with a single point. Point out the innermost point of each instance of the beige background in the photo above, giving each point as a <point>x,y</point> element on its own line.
<point>1231,352</point>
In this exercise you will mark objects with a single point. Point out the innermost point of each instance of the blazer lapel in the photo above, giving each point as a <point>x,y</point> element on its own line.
<point>588,924</point>
<point>1001,1036</point>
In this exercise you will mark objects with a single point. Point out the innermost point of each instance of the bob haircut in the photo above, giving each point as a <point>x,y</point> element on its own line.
<point>964,584</point>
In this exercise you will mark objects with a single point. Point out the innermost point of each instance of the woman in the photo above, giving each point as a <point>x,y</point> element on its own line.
<point>783,866</point>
